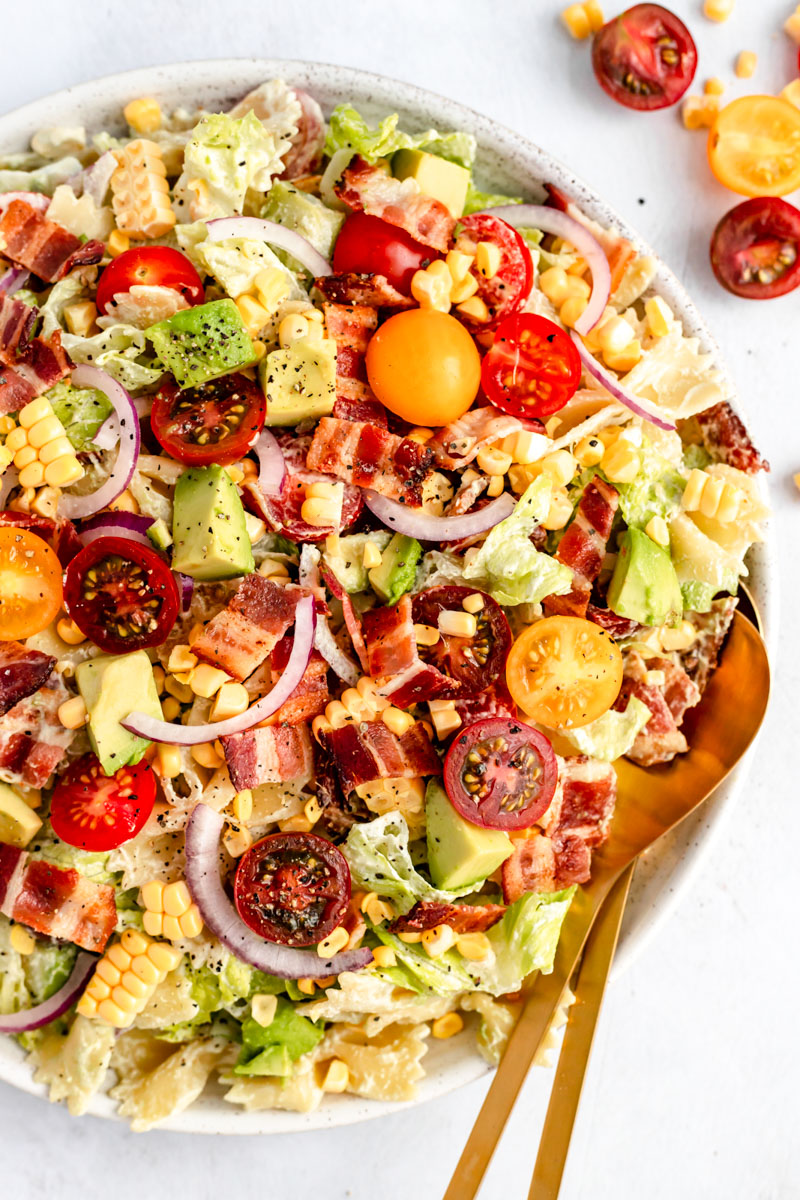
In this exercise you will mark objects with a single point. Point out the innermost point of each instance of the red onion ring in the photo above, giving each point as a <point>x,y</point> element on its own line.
<point>270,231</point>
<point>58,1003</point>
<point>612,385</point>
<point>8,481</point>
<point>194,735</point>
<point>272,467</point>
<point>120,524</point>
<point>14,279</point>
<point>202,877</point>
<point>427,528</point>
<point>76,507</point>
<point>107,435</point>
<point>551,220</point>
<point>185,588</point>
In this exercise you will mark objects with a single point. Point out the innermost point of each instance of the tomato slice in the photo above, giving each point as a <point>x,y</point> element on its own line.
<point>564,672</point>
<point>217,422</point>
<point>292,888</point>
<point>30,584</point>
<point>121,594</point>
<point>99,812</point>
<point>533,369</point>
<point>505,291</point>
<point>369,246</point>
<point>500,774</point>
<point>472,663</point>
<point>645,58</point>
<point>754,146</point>
<point>755,249</point>
<point>151,266</point>
<point>283,512</point>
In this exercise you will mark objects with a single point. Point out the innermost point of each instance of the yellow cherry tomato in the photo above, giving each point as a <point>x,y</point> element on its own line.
<point>564,672</point>
<point>30,584</point>
<point>754,146</point>
<point>424,366</point>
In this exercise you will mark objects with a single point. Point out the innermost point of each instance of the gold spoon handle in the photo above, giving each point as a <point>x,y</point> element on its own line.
<point>577,1045</point>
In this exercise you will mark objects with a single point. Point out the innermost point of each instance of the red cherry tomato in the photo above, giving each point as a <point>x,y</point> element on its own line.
<point>472,663</point>
<point>292,888</point>
<point>370,246</point>
<point>217,422</point>
<point>532,369</point>
<point>500,774</point>
<point>152,266</point>
<point>645,58</point>
<point>121,594</point>
<point>283,512</point>
<point>99,812</point>
<point>510,286</point>
<point>755,249</point>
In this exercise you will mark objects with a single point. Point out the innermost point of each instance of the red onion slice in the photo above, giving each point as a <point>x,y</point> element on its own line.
<point>14,279</point>
<point>119,524</point>
<point>185,588</point>
<point>270,231</point>
<point>202,877</point>
<point>194,735</point>
<point>107,435</point>
<point>76,507</point>
<point>612,385</point>
<point>272,467</point>
<point>58,1003</point>
<point>427,528</point>
<point>551,220</point>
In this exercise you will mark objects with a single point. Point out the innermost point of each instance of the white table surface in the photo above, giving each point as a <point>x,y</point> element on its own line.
<point>691,1091</point>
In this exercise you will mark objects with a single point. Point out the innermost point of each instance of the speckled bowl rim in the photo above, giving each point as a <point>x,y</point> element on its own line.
<point>506,162</point>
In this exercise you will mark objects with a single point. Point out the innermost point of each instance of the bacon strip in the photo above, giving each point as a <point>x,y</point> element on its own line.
<point>22,672</point>
<point>371,411</point>
<point>372,290</point>
<point>351,327</point>
<point>32,739</point>
<point>371,190</point>
<point>270,755</point>
<point>583,546</point>
<point>30,368</point>
<point>618,627</point>
<point>61,535</point>
<point>56,901</point>
<point>392,651</point>
<point>661,739</point>
<point>462,918</point>
<point>712,627</point>
<point>310,696</point>
<point>239,638</point>
<point>348,611</point>
<point>458,443</point>
<point>17,321</point>
<point>368,456</point>
<point>369,751</point>
<point>45,248</point>
<point>727,440</point>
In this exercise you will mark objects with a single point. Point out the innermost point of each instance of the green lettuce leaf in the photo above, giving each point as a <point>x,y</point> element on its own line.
<point>80,410</point>
<point>655,492</point>
<point>445,976</point>
<point>235,263</point>
<point>524,941</point>
<point>698,596</point>
<point>271,1049</point>
<point>42,178</point>
<point>613,734</point>
<point>117,350</point>
<point>232,157</point>
<point>477,200</point>
<point>65,292</point>
<point>305,214</point>
<point>347,130</point>
<point>90,863</point>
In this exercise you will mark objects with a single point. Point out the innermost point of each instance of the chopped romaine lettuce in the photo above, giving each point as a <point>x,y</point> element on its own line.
<point>14,993</point>
<point>47,968</point>
<point>118,351</point>
<point>347,130</point>
<point>524,941</point>
<point>445,975</point>
<point>271,1049</point>
<point>41,179</point>
<point>613,734</point>
<point>235,263</point>
<point>305,214</point>
<point>91,863</point>
<point>655,492</point>
<point>477,200</point>
<point>65,292</point>
<point>80,410</point>
<point>225,159</point>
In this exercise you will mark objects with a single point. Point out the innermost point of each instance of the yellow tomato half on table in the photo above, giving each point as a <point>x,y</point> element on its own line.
<point>754,146</point>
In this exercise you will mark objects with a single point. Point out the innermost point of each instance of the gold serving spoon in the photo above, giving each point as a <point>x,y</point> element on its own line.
<point>650,802</point>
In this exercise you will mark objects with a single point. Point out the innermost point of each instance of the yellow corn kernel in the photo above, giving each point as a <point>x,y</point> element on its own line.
<point>206,755</point>
<point>475,309</point>
<point>170,928</point>
<point>152,895</point>
<point>595,14</point>
<point>680,638</point>
<point>384,956</point>
<point>320,512</point>
<point>292,329</point>
<point>693,490</point>
<point>274,568</point>
<point>153,923</point>
<point>333,943</point>
<point>447,1026</point>
<point>231,700</point>
<point>624,360</point>
<point>717,10</point>
<point>792,25</point>
<point>297,824</point>
<point>140,192</point>
<point>170,708</point>
<point>191,923</point>
<point>459,265</point>
<point>376,910</point>
<point>493,461</point>
<point>431,288</point>
<point>119,956</point>
<point>21,940</point>
<point>175,899</point>
<point>621,462</point>
<point>473,946</point>
<point>254,315</point>
<point>576,19</point>
<point>657,529</point>
<point>746,64</point>
<point>525,446</point>
<point>560,510</point>
<point>62,472</point>
<point>72,713</point>
<point>46,502</point>
<point>555,285</point>
<point>181,658</point>
<point>792,92</point>
<point>243,805</point>
<point>613,335</point>
<point>44,431</point>
<point>336,714</point>
<point>25,457</point>
<point>410,938</point>
<point>521,478</point>
<point>359,706</point>
<point>420,435</point>
<point>68,631</point>
<point>144,115</point>
<point>488,257</point>
<point>143,968</point>
<point>473,604</point>
<point>7,424</point>
<point>107,1011</point>
<point>397,721</point>
<point>32,475</point>
<point>372,556</point>
<point>337,1076</point>
<point>118,242</point>
<point>699,112</point>
<point>312,810</point>
<point>462,291</point>
<point>560,467</point>
<point>206,680</point>
<point>306,986</point>
<point>181,691</point>
<point>263,1009</point>
<point>272,287</point>
<point>159,677</point>
<point>444,716</point>
<point>439,940</point>
<point>713,86</point>
<point>169,761</point>
<point>80,317</point>
<point>166,958</point>
<point>437,492</point>
<point>17,439</point>
<point>35,411</point>
<point>589,451</point>
<point>457,624</point>
<point>655,678</point>
<point>124,502</point>
<point>659,316</point>
<point>572,310</point>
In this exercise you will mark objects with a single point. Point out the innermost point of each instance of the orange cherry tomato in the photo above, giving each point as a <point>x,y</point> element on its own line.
<point>564,672</point>
<point>30,584</point>
<point>424,366</point>
<point>754,146</point>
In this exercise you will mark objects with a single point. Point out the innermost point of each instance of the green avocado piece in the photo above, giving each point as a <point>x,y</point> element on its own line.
<point>160,535</point>
<point>208,526</point>
<point>202,343</point>
<point>398,568</point>
<point>644,586</point>
<point>460,853</point>
<point>305,214</point>
<point>112,686</point>
<point>346,558</point>
<point>18,821</point>
<point>445,181</point>
<point>299,381</point>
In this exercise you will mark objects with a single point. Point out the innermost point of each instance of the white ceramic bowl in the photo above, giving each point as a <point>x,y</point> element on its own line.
<point>509,163</point>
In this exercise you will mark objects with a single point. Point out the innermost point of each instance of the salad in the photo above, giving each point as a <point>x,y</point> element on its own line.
<point>355,521</point>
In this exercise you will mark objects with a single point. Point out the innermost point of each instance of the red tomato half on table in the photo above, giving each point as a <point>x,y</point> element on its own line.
<point>99,812</point>
<point>509,286</point>
<point>500,774</point>
<point>150,266</point>
<point>645,58</point>
<point>217,422</point>
<point>369,246</point>
<point>755,249</point>
<point>532,369</point>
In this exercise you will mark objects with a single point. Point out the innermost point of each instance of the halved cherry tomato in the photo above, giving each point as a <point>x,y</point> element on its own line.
<point>472,663</point>
<point>755,249</point>
<point>151,266</point>
<point>564,672</point>
<point>645,58</point>
<point>284,512</point>
<point>500,774</point>
<point>99,812</point>
<point>505,291</point>
<point>370,246</point>
<point>121,594</point>
<point>217,422</point>
<point>754,146</point>
<point>30,584</point>
<point>292,888</point>
<point>532,369</point>
<point>424,366</point>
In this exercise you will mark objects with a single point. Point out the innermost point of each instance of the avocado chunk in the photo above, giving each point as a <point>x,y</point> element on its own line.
<point>18,821</point>
<point>202,343</point>
<point>305,214</point>
<point>208,525</point>
<point>299,381</point>
<point>398,568</point>
<point>160,535</point>
<point>459,853</point>
<point>445,181</point>
<point>644,586</point>
<point>112,686</point>
<point>346,558</point>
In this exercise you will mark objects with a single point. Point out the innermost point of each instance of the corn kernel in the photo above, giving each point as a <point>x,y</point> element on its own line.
<point>384,956</point>
<point>80,317</point>
<point>457,624</point>
<point>626,359</point>
<point>746,65</point>
<point>69,632</point>
<point>263,1009</point>
<point>595,14</point>
<point>717,10</point>
<point>713,86</point>
<point>62,472</point>
<point>7,424</point>
<point>44,431</point>
<point>444,716</point>
<point>420,435</point>
<point>680,638</point>
<point>273,568</point>
<point>272,287</point>
<point>447,1026</point>
<point>72,713</point>
<point>560,510</point>
<point>333,943</point>
<point>32,475</point>
<point>497,485</point>
<point>206,755</point>
<point>312,810</point>
<point>170,708</point>
<point>152,894</point>
<point>555,285</point>
<point>46,502</point>
<point>118,242</point>
<point>659,316</point>
<point>35,411</point>
<point>181,658</point>
<point>320,512</point>
<point>296,824</point>
<point>169,761</point>
<point>576,19</point>
<point>254,315</point>
<point>411,938</point>
<point>475,309</point>
<point>25,457</point>
<point>473,946</point>
<point>589,451</point>
<point>175,898</point>
<point>375,909</point>
<point>792,26</point>
<point>106,971</point>
<point>125,502</point>
<point>657,529</point>
<point>337,1076</point>
<point>621,463</point>
<point>292,329</point>
<point>431,287</point>
<point>17,439</point>
<point>166,958</point>
<point>207,680</point>
<point>439,940</point>
<point>21,940</point>
<point>306,986</point>
<point>524,446</point>
<point>181,691</point>
<point>493,461</point>
<point>372,556</point>
<point>792,92</point>
<point>655,678</point>
<point>560,467</point>
<point>613,335</point>
<point>144,115</point>
<point>699,112</point>
<point>460,292</point>
<point>397,721</point>
<point>572,310</point>
<point>146,970</point>
<point>459,265</point>
<point>231,700</point>
<point>110,1012</point>
<point>488,258</point>
<point>191,923</point>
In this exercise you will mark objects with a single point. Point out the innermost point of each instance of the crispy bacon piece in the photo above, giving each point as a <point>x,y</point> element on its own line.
<point>583,545</point>
<point>493,701</point>
<point>458,443</point>
<point>348,611</point>
<point>56,901</point>
<point>372,290</point>
<point>371,190</point>
<point>339,812</point>
<point>270,755</point>
<point>305,154</point>
<point>618,627</point>
<point>32,739</point>
<point>462,918</point>
<point>22,672</point>
<point>367,455</point>
<point>351,326</point>
<point>392,651</point>
<point>12,864</point>
<point>239,638</point>
<point>371,411</point>
<point>712,627</point>
<point>61,535</point>
<point>26,375</point>
<point>661,739</point>
<point>17,321</point>
<point>45,248</point>
<point>727,440</point>
<point>310,696</point>
<point>369,751</point>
